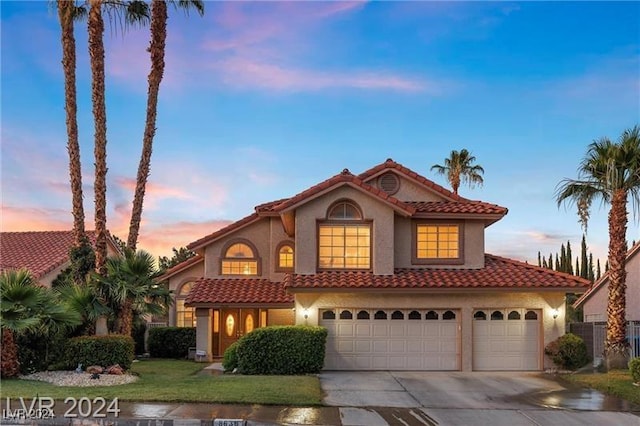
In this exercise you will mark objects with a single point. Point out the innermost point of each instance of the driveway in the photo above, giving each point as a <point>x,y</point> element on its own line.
<point>455,398</point>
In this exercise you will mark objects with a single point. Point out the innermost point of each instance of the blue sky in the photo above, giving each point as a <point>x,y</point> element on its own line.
<point>262,100</point>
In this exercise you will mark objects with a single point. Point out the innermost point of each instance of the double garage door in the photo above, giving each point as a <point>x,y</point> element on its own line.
<point>429,339</point>
<point>392,339</point>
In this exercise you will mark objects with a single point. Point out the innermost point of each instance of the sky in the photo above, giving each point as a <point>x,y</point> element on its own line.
<point>261,100</point>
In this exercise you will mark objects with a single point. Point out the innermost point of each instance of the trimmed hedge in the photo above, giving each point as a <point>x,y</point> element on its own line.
<point>38,353</point>
<point>568,351</point>
<point>282,350</point>
<point>171,342</point>
<point>230,359</point>
<point>99,350</point>
<point>634,369</point>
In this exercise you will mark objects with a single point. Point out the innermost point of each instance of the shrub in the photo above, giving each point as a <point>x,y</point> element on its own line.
<point>138,333</point>
<point>282,350</point>
<point>230,359</point>
<point>568,352</point>
<point>634,369</point>
<point>171,342</point>
<point>99,350</point>
<point>39,353</point>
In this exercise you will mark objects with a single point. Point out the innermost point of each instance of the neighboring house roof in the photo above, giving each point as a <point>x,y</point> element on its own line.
<point>238,291</point>
<point>39,251</point>
<point>604,279</point>
<point>457,207</point>
<point>185,264</point>
<point>498,273</point>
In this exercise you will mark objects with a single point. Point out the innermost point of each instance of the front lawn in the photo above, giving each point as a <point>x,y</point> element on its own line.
<point>617,383</point>
<point>180,381</point>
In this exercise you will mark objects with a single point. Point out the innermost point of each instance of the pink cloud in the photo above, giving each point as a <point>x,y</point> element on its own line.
<point>240,72</point>
<point>153,189</point>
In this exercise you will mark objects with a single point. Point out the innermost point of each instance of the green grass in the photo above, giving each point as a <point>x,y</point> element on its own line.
<point>616,382</point>
<point>179,381</point>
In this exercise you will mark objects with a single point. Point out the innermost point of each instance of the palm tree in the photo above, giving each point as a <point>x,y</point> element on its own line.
<point>134,11</point>
<point>459,168</point>
<point>84,300</point>
<point>28,307</point>
<point>157,50</point>
<point>67,13</point>
<point>610,171</point>
<point>130,286</point>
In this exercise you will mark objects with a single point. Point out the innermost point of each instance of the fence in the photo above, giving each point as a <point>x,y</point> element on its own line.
<point>594,335</point>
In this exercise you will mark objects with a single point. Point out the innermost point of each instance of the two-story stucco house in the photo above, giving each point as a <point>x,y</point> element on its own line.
<point>392,264</point>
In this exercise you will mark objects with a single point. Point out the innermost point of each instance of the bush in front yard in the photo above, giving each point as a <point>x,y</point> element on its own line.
<point>230,359</point>
<point>171,342</point>
<point>99,350</point>
<point>568,352</point>
<point>634,369</point>
<point>282,350</point>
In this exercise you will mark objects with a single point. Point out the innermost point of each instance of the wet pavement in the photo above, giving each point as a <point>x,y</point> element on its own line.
<point>393,398</point>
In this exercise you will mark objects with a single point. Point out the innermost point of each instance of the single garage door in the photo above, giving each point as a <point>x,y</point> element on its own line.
<point>506,339</point>
<point>392,339</point>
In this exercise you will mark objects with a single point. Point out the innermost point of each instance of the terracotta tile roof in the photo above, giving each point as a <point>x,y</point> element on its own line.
<point>181,267</point>
<point>457,207</point>
<point>39,251</point>
<point>603,279</point>
<point>498,273</point>
<point>389,164</point>
<point>270,206</point>
<point>238,290</point>
<point>253,217</point>
<point>344,177</point>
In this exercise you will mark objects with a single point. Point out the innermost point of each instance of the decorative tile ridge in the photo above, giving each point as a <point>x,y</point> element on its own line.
<point>390,164</point>
<point>539,269</point>
<point>180,267</point>
<point>247,220</point>
<point>345,177</point>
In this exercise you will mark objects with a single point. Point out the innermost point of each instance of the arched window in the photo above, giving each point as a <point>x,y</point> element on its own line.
<point>414,315</point>
<point>346,315</point>
<point>431,315</point>
<point>497,316</point>
<point>480,316</point>
<point>363,315</point>
<point>344,240</point>
<point>397,315</point>
<point>530,315</point>
<point>449,315</point>
<point>344,210</point>
<point>239,259</point>
<point>328,315</point>
<point>514,315</point>
<point>380,315</point>
<point>185,316</point>
<point>284,257</point>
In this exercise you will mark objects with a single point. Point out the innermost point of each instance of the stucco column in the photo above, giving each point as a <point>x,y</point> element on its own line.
<point>204,322</point>
<point>466,339</point>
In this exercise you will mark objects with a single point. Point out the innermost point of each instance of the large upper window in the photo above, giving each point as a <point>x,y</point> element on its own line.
<point>437,241</point>
<point>239,259</point>
<point>285,257</point>
<point>344,240</point>
<point>185,317</point>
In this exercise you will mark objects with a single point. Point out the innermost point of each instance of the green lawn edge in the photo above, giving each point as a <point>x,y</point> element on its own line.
<point>183,381</point>
<point>616,383</point>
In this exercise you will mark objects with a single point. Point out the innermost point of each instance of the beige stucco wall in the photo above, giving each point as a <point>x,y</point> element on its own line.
<point>466,303</point>
<point>280,317</point>
<point>382,229</point>
<point>473,245</point>
<point>595,308</point>
<point>175,282</point>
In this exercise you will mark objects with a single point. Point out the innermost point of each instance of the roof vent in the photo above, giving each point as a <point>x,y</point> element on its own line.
<point>389,183</point>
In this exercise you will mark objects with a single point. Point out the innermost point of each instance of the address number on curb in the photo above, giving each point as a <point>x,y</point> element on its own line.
<point>229,422</point>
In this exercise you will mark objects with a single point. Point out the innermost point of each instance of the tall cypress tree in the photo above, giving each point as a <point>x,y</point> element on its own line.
<point>584,270</point>
<point>598,270</point>
<point>550,262</point>
<point>558,264</point>
<point>577,264</point>
<point>590,276</point>
<point>539,259</point>
<point>563,259</point>
<point>569,260</point>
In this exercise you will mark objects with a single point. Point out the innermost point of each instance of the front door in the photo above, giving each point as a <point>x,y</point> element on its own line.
<point>235,323</point>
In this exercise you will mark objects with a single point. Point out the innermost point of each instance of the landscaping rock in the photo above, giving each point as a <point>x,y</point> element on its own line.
<point>115,370</point>
<point>94,369</point>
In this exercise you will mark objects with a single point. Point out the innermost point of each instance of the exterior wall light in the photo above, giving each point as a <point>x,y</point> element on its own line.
<point>305,312</point>
<point>554,313</point>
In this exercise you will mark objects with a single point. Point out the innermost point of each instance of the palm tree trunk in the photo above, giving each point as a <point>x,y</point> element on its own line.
<point>66,11</point>
<point>96,53</point>
<point>125,318</point>
<point>9,355</point>
<point>156,49</point>
<point>616,347</point>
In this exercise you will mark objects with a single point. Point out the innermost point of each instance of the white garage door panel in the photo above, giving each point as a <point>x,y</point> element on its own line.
<point>394,343</point>
<point>506,339</point>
